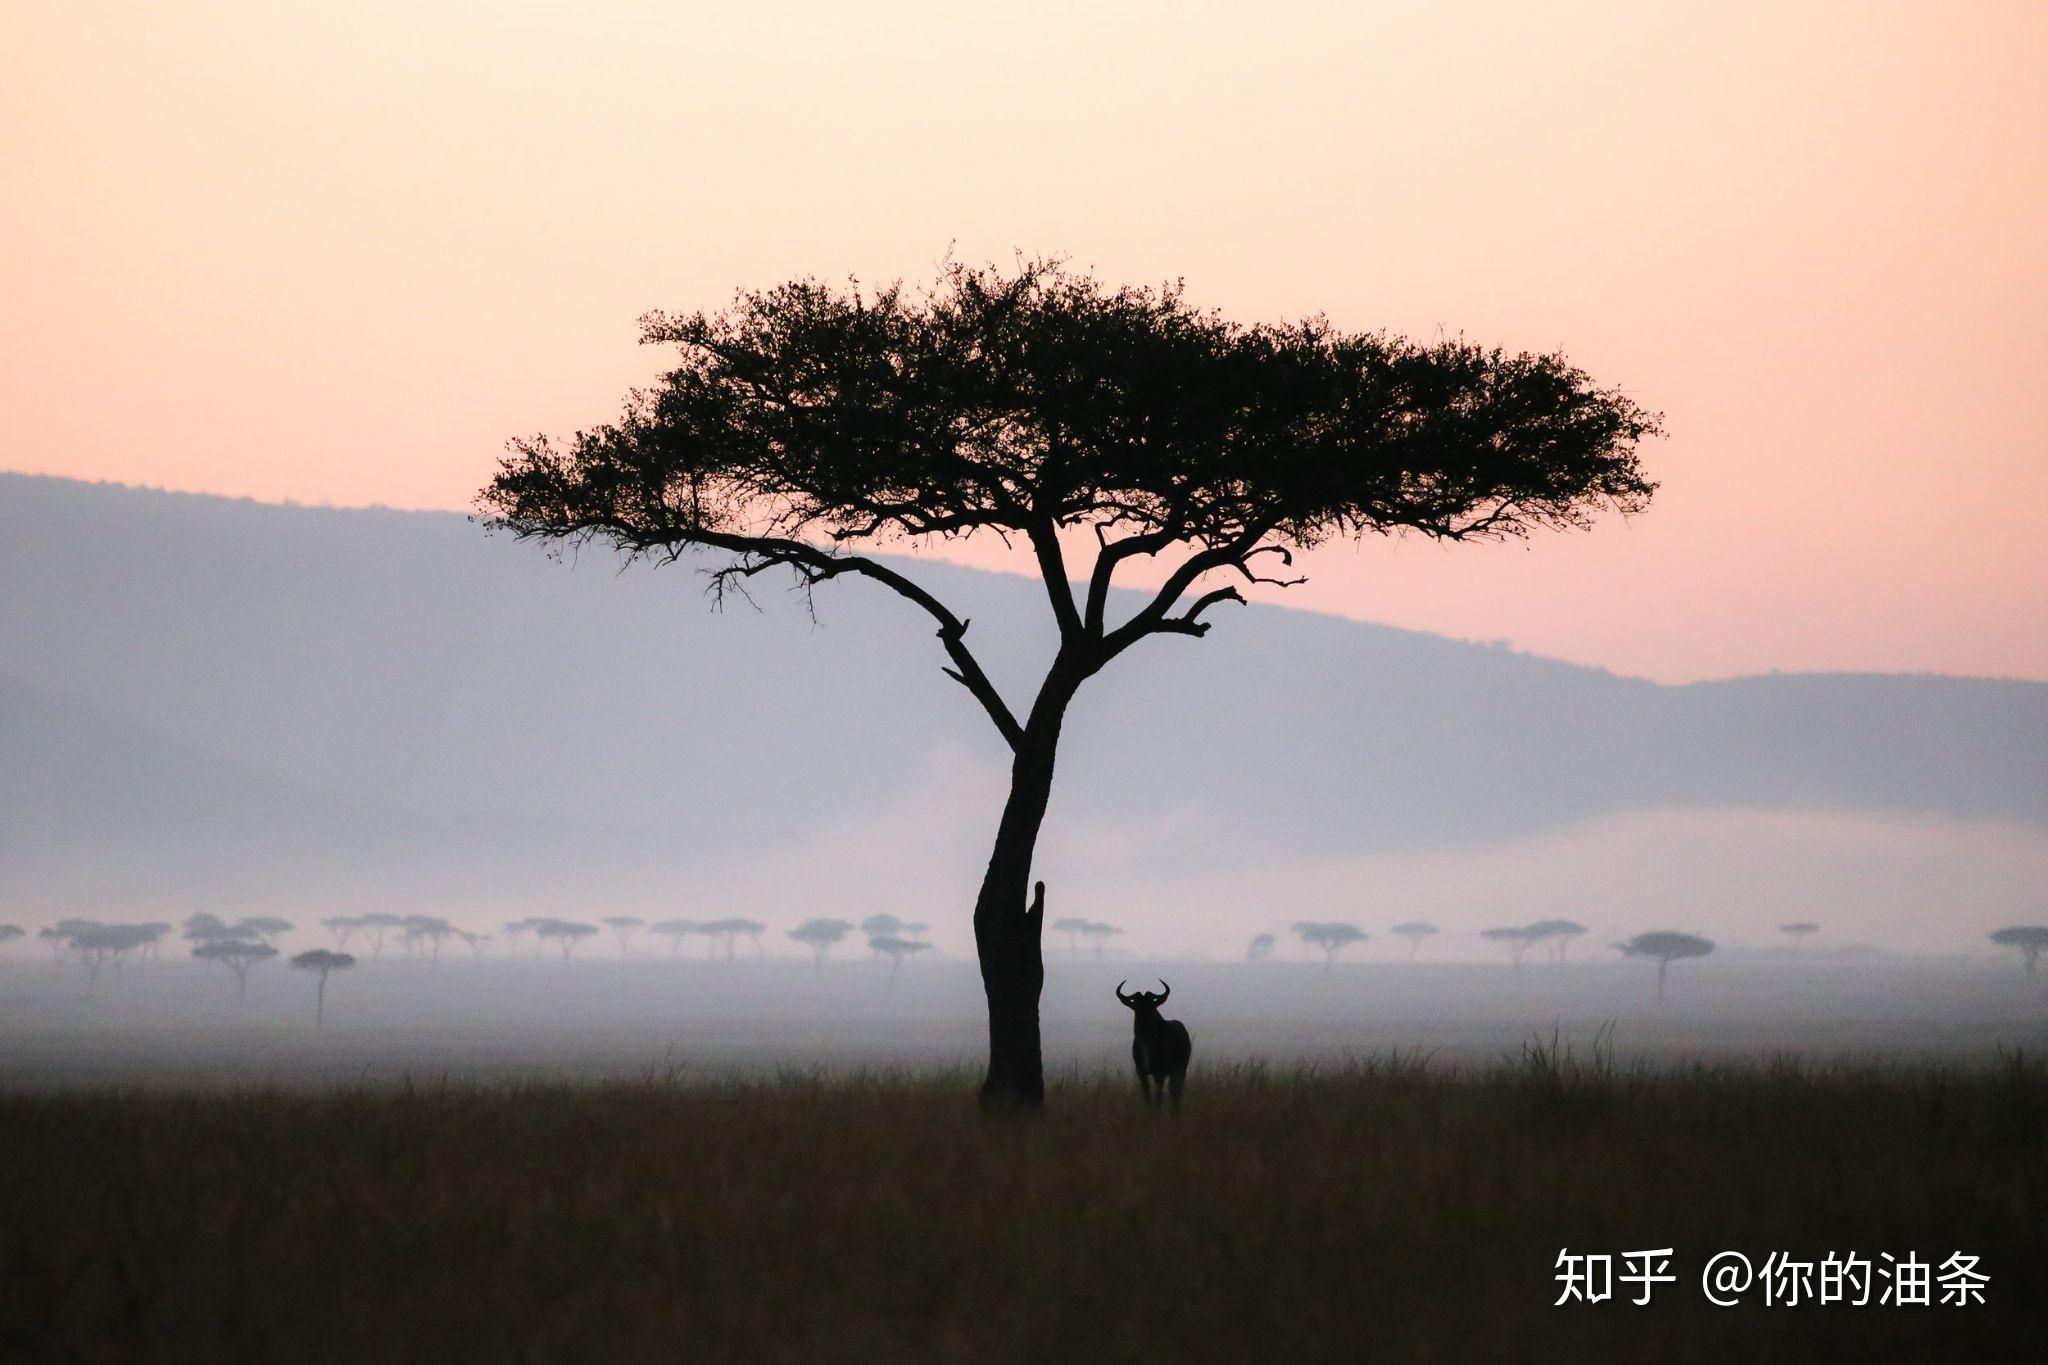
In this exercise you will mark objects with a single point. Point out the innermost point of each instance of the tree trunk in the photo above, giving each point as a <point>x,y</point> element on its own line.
<point>1662,963</point>
<point>1008,932</point>
<point>320,1004</point>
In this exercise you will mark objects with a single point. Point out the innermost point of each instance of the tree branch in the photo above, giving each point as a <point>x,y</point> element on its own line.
<point>1052,567</point>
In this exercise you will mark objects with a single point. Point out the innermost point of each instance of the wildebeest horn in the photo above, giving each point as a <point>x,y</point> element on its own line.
<point>1164,990</point>
<point>1121,997</point>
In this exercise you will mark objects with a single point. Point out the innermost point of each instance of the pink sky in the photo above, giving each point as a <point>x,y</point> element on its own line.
<point>340,253</point>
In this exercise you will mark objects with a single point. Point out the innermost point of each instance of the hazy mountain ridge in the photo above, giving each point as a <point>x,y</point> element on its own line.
<point>401,679</point>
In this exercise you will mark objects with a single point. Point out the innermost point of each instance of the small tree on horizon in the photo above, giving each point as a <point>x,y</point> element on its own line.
<point>266,927</point>
<point>819,935</point>
<point>1514,938</point>
<point>477,942</point>
<point>896,949</point>
<point>343,927</point>
<point>1259,949</point>
<point>1414,931</point>
<point>2028,939</point>
<point>376,925</point>
<point>9,932</point>
<point>1558,933</point>
<point>622,926</point>
<point>1073,927</point>
<point>725,931</point>
<point>238,956</point>
<point>675,931</point>
<point>806,424</point>
<point>1096,929</point>
<point>1666,948</point>
<point>323,962</point>
<point>1331,936</point>
<point>1799,930</point>
<point>568,933</point>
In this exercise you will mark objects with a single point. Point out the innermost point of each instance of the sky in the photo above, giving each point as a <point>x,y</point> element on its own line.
<point>339,254</point>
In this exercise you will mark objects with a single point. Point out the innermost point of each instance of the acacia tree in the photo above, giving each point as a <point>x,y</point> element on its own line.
<point>1798,931</point>
<point>896,949</point>
<point>819,935</point>
<point>675,931</point>
<point>1096,929</point>
<point>1666,948</point>
<point>567,932</point>
<point>322,961</point>
<point>725,931</point>
<point>1414,931</point>
<point>1333,937</point>
<point>238,955</point>
<point>2029,939</point>
<point>1558,933</point>
<point>623,926</point>
<point>1259,949</point>
<point>266,927</point>
<point>11,931</point>
<point>807,424</point>
<point>1517,939</point>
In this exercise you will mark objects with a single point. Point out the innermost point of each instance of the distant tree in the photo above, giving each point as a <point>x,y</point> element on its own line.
<point>1096,930</point>
<point>343,927</point>
<point>882,926</point>
<point>322,962</point>
<point>1073,927</point>
<point>517,928</point>
<point>430,929</point>
<point>819,935</point>
<point>566,932</point>
<point>675,931</point>
<point>238,955</point>
<point>100,944</point>
<point>896,949</point>
<point>1666,948</point>
<point>11,931</point>
<point>1260,948</point>
<point>1515,938</point>
<point>807,423</point>
<point>1558,933</point>
<point>1798,930</point>
<point>154,933</point>
<point>623,926</point>
<point>1331,936</point>
<point>477,942</point>
<point>2029,939</point>
<point>724,931</point>
<point>58,940</point>
<point>205,928</point>
<point>265,927</point>
<point>1414,931</point>
<point>376,926</point>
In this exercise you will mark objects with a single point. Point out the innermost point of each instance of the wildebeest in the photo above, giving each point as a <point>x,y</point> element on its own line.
<point>1159,1047</point>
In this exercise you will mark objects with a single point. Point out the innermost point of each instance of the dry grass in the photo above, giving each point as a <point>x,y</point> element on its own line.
<point>1386,1208</point>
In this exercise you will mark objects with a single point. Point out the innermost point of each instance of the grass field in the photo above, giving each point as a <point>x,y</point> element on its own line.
<point>1388,1209</point>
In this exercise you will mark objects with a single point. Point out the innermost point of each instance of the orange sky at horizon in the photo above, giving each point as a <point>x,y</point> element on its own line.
<point>339,254</point>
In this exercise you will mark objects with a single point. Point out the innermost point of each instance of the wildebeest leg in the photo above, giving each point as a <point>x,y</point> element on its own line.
<point>1144,1085</point>
<point>1173,1084</point>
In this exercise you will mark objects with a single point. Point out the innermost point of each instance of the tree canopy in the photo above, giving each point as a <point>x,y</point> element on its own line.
<point>807,418</point>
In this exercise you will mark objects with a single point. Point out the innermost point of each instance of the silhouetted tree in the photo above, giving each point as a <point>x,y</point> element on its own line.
<point>477,942</point>
<point>1798,930</point>
<point>515,928</point>
<point>153,936</point>
<point>566,932</point>
<point>376,926</point>
<point>675,931</point>
<point>2029,939</point>
<point>896,949</point>
<point>1515,938</point>
<point>1330,936</point>
<point>431,928</point>
<point>100,944</point>
<point>205,928</point>
<point>58,940</point>
<point>11,931</point>
<point>1666,948</point>
<point>808,422</point>
<point>1558,933</point>
<point>238,955</point>
<point>343,927</point>
<point>819,935</point>
<point>622,926</point>
<point>1097,930</point>
<point>1260,948</point>
<point>724,931</point>
<point>1414,931</point>
<point>322,962</point>
<point>265,927</point>
<point>882,926</point>
<point>1073,928</point>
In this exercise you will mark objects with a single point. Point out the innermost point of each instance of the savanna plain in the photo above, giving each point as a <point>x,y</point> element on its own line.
<point>610,1160</point>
